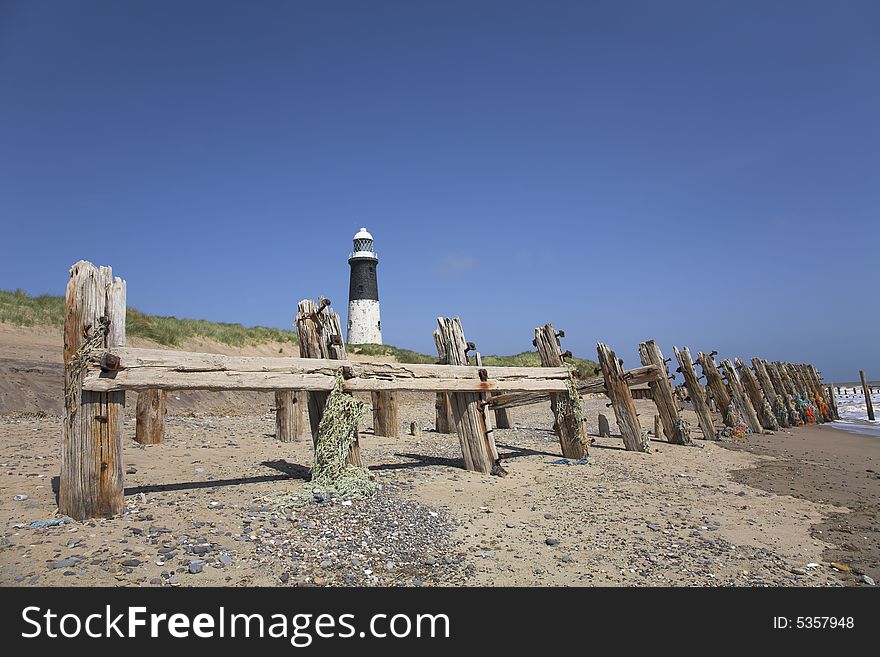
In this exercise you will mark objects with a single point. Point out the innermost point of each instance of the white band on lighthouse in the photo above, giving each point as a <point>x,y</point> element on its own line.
<point>363,322</point>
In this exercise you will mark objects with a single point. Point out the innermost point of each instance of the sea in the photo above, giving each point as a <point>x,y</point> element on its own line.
<point>854,413</point>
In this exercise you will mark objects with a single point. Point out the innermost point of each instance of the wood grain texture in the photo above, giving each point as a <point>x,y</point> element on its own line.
<point>715,384</point>
<point>621,400</point>
<point>291,415</point>
<point>568,423</point>
<point>759,403</point>
<point>866,390</point>
<point>385,414</point>
<point>468,411</point>
<point>663,395</point>
<point>740,400</point>
<point>91,480</point>
<point>150,416</point>
<point>769,390</point>
<point>696,393</point>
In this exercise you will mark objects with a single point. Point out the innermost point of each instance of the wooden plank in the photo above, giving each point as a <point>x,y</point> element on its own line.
<point>291,407</point>
<point>150,416</point>
<point>715,385</point>
<point>740,400</point>
<point>621,400</point>
<point>696,393</point>
<point>385,414</point>
<point>477,445</point>
<point>759,402</point>
<point>91,480</point>
<point>664,398</point>
<point>566,407</point>
<point>594,385</point>
<point>320,336</point>
<point>866,390</point>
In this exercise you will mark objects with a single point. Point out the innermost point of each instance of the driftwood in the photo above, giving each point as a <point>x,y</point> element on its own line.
<point>696,393</point>
<point>774,398</point>
<point>617,389</point>
<point>91,480</point>
<point>477,445</point>
<point>566,406</point>
<point>661,390</point>
<point>150,416</point>
<point>782,389</point>
<point>740,400</point>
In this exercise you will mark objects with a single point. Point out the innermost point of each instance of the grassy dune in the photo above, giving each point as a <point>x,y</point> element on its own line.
<point>47,310</point>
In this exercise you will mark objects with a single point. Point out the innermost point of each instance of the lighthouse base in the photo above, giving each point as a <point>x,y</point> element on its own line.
<point>364,326</point>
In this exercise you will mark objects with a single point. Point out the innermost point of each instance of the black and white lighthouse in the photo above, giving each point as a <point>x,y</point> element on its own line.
<point>364,325</point>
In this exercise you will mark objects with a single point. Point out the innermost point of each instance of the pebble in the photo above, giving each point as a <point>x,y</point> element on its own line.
<point>195,567</point>
<point>20,498</point>
<point>131,563</point>
<point>868,580</point>
<point>551,541</point>
<point>225,559</point>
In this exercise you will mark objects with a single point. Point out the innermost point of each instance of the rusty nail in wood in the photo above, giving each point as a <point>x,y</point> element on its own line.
<point>470,347</point>
<point>483,374</point>
<point>347,372</point>
<point>109,362</point>
<point>560,334</point>
<point>566,354</point>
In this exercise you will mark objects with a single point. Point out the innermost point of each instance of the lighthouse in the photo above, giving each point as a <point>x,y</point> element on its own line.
<point>364,326</point>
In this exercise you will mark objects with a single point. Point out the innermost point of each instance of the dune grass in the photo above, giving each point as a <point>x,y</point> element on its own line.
<point>48,310</point>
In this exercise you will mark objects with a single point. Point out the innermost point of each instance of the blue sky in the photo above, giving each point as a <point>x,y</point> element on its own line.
<point>702,173</point>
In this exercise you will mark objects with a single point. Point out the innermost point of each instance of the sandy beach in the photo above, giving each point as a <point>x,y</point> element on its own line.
<point>211,505</point>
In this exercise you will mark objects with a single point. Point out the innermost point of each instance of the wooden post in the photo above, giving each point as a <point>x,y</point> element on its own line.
<point>741,401</point>
<point>604,429</point>
<point>661,390</point>
<point>867,390</point>
<point>715,385</point>
<point>696,393</point>
<point>833,401</point>
<point>658,427</point>
<point>468,409</point>
<point>780,413</point>
<point>621,400</point>
<point>91,481</point>
<point>759,403</point>
<point>290,414</point>
<point>782,389</point>
<point>415,429</point>
<point>320,336</point>
<point>478,359</point>
<point>566,407</point>
<point>444,422</point>
<point>150,416</point>
<point>385,413</point>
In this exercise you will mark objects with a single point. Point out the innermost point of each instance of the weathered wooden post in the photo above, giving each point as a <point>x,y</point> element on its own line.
<point>150,416</point>
<point>478,359</point>
<point>444,422</point>
<point>661,390</point>
<point>621,400</point>
<point>566,406</point>
<point>385,413</point>
<point>740,400</point>
<point>759,403</point>
<point>782,389</point>
<point>696,393</point>
<point>867,390</point>
<point>604,429</point>
<point>91,481</point>
<point>715,385</point>
<point>775,401</point>
<point>468,409</point>
<point>320,336</point>
<point>291,407</point>
<point>833,401</point>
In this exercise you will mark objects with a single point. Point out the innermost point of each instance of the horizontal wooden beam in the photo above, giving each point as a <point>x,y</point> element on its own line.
<point>143,369</point>
<point>594,385</point>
